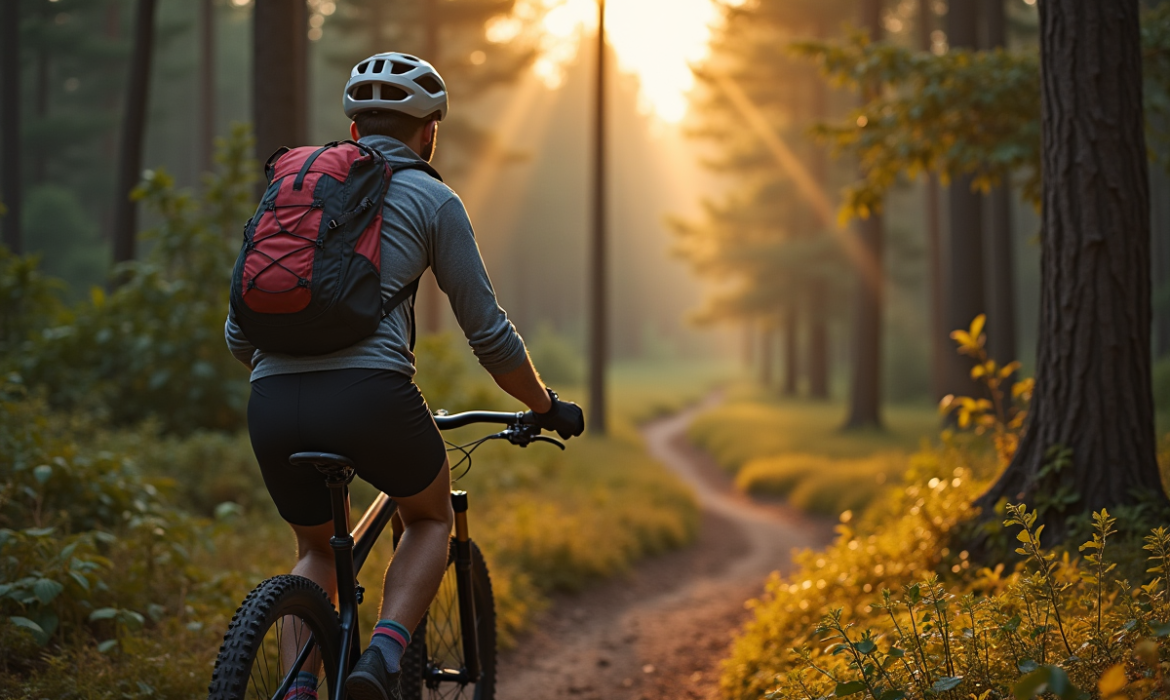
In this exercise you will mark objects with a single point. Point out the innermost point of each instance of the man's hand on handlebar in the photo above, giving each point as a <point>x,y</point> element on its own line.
<point>564,417</point>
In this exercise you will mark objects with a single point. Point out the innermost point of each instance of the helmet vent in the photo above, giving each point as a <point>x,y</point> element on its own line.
<point>430,84</point>
<point>409,57</point>
<point>392,93</point>
<point>363,66</point>
<point>379,65</point>
<point>399,68</point>
<point>362,92</point>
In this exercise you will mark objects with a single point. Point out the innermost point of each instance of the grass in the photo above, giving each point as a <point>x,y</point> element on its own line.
<point>797,449</point>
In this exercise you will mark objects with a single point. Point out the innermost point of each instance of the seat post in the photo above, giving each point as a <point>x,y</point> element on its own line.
<point>339,500</point>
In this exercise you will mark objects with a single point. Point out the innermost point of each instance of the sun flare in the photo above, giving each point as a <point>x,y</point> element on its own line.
<point>656,40</point>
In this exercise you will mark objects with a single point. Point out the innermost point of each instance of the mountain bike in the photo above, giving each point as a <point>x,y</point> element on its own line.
<point>452,653</point>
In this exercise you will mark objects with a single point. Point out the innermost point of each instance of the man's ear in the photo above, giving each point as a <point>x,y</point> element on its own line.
<point>429,131</point>
<point>353,132</point>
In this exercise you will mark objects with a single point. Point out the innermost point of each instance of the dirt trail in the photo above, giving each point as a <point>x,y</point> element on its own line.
<point>661,631</point>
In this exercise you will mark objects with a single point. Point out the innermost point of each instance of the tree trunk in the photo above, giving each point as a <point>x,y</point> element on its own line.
<point>767,355</point>
<point>430,297</point>
<point>133,133</point>
<point>817,355</point>
<point>818,340</point>
<point>1093,360</point>
<point>279,75</point>
<point>1001,298</point>
<point>964,295</point>
<point>10,193</point>
<point>206,157</point>
<point>791,350</point>
<point>865,391</point>
<point>940,344</point>
<point>1160,251</point>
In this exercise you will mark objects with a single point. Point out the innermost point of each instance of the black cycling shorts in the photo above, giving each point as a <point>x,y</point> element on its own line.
<point>377,418</point>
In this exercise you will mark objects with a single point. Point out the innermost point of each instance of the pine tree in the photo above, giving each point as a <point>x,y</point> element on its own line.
<point>768,236</point>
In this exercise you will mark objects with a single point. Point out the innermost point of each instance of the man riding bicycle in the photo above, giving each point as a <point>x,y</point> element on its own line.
<point>360,401</point>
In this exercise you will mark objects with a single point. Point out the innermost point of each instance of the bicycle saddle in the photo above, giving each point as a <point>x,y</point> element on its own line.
<point>323,461</point>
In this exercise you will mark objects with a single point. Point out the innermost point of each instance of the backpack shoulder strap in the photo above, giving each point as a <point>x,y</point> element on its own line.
<point>407,292</point>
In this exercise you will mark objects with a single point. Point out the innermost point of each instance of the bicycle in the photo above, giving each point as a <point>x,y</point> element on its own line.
<point>453,651</point>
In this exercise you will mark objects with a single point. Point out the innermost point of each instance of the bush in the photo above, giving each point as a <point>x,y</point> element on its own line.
<point>57,226</point>
<point>154,347</point>
<point>892,610</point>
<point>818,484</point>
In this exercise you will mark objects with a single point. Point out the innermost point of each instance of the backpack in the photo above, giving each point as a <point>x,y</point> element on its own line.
<point>308,277</point>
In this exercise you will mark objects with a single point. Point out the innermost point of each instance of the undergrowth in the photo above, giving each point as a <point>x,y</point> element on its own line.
<point>893,609</point>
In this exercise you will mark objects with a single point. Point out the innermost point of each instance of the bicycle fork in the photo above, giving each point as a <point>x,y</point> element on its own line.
<point>463,580</point>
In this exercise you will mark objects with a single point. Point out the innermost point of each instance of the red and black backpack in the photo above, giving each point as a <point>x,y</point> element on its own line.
<point>308,277</point>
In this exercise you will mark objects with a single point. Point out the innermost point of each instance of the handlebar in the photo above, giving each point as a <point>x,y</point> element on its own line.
<point>522,429</point>
<point>460,420</point>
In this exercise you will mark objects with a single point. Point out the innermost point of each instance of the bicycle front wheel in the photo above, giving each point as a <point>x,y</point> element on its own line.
<point>285,611</point>
<point>434,661</point>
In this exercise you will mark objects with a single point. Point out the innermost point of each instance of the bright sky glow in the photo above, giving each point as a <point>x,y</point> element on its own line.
<point>654,39</point>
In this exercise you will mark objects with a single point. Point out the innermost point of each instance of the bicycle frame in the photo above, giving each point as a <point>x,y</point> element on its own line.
<point>352,548</point>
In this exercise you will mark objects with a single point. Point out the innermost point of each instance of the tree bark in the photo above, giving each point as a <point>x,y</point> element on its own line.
<point>1001,284</point>
<point>940,345</point>
<point>817,355</point>
<point>430,297</point>
<point>1160,250</point>
<point>791,350</point>
<point>964,293</point>
<point>1093,391</point>
<point>865,390</point>
<point>133,133</point>
<point>10,192</point>
<point>767,355</point>
<point>279,75</point>
<point>206,158</point>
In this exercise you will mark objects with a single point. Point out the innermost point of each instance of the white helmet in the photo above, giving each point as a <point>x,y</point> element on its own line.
<point>396,82</point>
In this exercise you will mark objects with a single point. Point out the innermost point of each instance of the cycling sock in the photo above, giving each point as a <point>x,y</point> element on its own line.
<point>391,639</point>
<point>304,687</point>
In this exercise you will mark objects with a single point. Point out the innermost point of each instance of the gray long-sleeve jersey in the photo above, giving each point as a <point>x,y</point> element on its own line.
<point>424,225</point>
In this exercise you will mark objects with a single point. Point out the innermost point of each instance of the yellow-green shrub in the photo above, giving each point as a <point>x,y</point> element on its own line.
<point>819,484</point>
<point>891,610</point>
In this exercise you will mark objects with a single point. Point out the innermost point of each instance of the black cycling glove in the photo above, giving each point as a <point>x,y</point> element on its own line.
<point>565,417</point>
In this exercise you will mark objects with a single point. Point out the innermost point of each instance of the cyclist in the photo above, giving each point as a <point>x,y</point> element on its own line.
<point>361,401</point>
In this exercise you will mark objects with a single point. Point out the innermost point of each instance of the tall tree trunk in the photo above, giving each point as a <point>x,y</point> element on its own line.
<point>817,355</point>
<point>818,340</point>
<point>41,103</point>
<point>1093,361</point>
<point>940,345</point>
<point>1160,251</point>
<point>10,193</point>
<point>279,75</point>
<point>206,85</point>
<point>133,133</point>
<point>430,297</point>
<point>964,294</point>
<point>1001,282</point>
<point>791,349</point>
<point>767,355</point>
<point>866,391</point>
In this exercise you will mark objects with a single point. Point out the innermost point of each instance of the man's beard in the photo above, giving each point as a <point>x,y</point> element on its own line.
<point>429,148</point>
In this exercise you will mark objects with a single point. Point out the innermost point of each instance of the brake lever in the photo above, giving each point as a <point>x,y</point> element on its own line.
<point>554,441</point>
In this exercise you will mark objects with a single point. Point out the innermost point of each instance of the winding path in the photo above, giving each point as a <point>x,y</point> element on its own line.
<point>662,631</point>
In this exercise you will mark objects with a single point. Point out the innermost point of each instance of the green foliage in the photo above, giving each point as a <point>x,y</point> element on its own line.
<point>57,226</point>
<point>154,346</point>
<point>29,300</point>
<point>891,610</point>
<point>559,361</point>
<point>90,553</point>
<point>958,113</point>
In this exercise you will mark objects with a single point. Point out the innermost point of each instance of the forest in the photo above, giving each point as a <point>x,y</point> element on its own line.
<point>866,302</point>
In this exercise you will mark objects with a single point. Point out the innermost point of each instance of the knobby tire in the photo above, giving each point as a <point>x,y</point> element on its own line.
<point>236,668</point>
